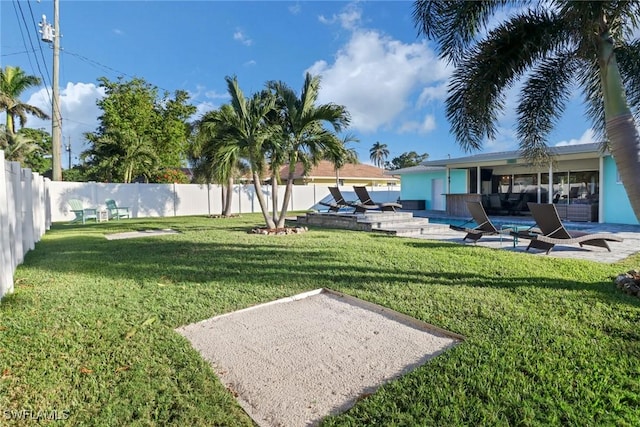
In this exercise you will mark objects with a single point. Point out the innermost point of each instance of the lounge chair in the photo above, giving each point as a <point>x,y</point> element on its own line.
<point>115,211</point>
<point>81,213</point>
<point>551,231</point>
<point>367,203</point>
<point>338,201</point>
<point>484,226</point>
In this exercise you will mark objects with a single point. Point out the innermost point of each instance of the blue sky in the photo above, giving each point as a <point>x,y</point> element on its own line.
<point>368,54</point>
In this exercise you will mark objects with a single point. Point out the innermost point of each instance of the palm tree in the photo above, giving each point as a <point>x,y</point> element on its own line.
<point>247,130</point>
<point>342,155</point>
<point>553,49</point>
<point>120,156</point>
<point>214,159</point>
<point>13,82</point>
<point>378,154</point>
<point>303,139</point>
<point>16,146</point>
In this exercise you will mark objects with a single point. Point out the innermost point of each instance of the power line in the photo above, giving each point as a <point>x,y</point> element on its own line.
<point>21,19</point>
<point>35,27</point>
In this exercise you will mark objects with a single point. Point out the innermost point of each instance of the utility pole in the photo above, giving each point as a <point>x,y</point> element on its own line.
<point>68,148</point>
<point>49,36</point>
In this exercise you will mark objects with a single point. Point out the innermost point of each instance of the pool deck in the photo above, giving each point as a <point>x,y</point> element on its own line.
<point>619,250</point>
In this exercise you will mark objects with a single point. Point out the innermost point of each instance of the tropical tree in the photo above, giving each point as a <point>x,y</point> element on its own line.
<point>120,156</point>
<point>378,153</point>
<point>13,82</point>
<point>405,160</point>
<point>214,157</point>
<point>17,146</point>
<point>303,138</point>
<point>134,112</point>
<point>247,131</point>
<point>552,48</point>
<point>342,155</point>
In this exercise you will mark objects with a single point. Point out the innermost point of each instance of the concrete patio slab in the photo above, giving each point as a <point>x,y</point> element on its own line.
<point>294,361</point>
<point>139,233</point>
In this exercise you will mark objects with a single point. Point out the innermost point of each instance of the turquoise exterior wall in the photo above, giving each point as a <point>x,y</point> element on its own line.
<point>418,186</point>
<point>415,186</point>
<point>459,181</point>
<point>616,206</point>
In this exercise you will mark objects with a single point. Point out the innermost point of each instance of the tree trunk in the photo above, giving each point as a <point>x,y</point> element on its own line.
<point>274,198</point>
<point>261,200</point>
<point>286,199</point>
<point>223,199</point>
<point>227,202</point>
<point>624,141</point>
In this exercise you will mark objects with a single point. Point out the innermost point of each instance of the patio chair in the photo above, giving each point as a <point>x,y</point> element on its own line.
<point>341,202</point>
<point>81,213</point>
<point>338,201</point>
<point>551,231</point>
<point>484,226</point>
<point>367,203</point>
<point>116,212</point>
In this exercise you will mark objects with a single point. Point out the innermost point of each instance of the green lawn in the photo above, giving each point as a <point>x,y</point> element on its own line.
<point>89,331</point>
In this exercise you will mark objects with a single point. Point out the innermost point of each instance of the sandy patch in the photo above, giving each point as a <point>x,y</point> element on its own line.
<point>294,361</point>
<point>139,233</point>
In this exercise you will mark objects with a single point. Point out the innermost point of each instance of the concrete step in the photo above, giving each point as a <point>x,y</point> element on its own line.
<point>412,229</point>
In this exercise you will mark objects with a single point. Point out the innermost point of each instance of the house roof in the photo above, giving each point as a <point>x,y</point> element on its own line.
<point>325,170</point>
<point>414,169</point>
<point>565,150</point>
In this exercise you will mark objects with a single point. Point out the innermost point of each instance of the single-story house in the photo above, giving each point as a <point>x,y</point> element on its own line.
<point>583,182</point>
<point>348,175</point>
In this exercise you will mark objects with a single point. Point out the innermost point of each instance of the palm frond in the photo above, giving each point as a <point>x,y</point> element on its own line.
<point>543,99</point>
<point>455,25</point>
<point>477,86</point>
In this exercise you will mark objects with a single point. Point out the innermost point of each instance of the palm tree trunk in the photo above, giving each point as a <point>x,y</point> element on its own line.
<point>227,202</point>
<point>624,141</point>
<point>261,200</point>
<point>286,199</point>
<point>274,199</point>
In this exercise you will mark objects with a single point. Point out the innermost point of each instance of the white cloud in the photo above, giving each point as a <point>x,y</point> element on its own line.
<point>433,93</point>
<point>79,113</point>
<point>426,126</point>
<point>295,8</point>
<point>375,76</point>
<point>212,94</point>
<point>203,108</point>
<point>250,63</point>
<point>349,18</point>
<point>242,38</point>
<point>118,32</point>
<point>588,137</point>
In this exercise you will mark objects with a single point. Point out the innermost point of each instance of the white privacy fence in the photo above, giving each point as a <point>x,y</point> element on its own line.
<point>29,204</point>
<point>164,200</point>
<point>25,215</point>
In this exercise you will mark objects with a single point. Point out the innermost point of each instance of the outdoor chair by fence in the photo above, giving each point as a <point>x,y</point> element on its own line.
<point>367,203</point>
<point>116,212</point>
<point>82,214</point>
<point>551,231</point>
<point>483,227</point>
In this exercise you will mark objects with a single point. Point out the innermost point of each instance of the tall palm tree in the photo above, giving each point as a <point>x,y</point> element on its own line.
<point>214,159</point>
<point>378,154</point>
<point>342,155</point>
<point>303,139</point>
<point>13,82</point>
<point>248,130</point>
<point>552,49</point>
